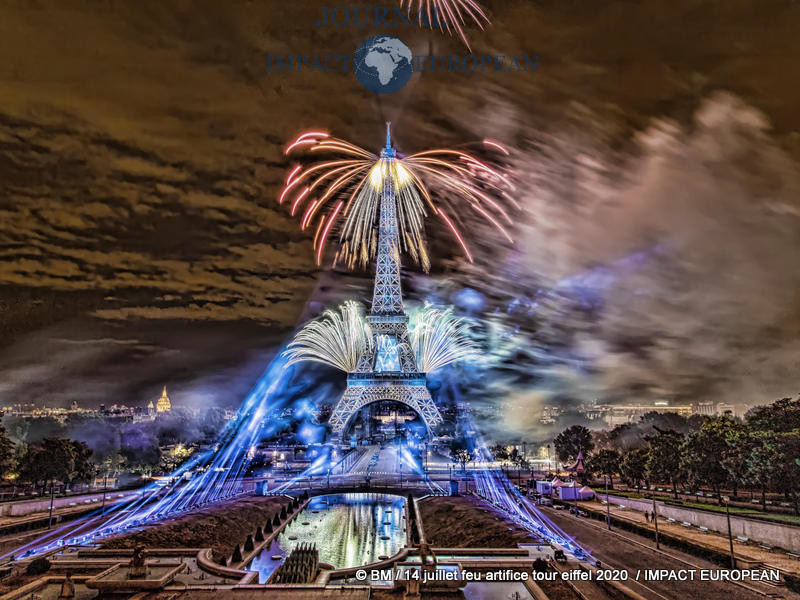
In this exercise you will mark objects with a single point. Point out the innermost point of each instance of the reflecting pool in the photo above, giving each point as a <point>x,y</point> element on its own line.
<point>348,529</point>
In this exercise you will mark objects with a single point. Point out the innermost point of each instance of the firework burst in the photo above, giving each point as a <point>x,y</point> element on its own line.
<point>439,338</point>
<point>452,15</point>
<point>344,194</point>
<point>337,339</point>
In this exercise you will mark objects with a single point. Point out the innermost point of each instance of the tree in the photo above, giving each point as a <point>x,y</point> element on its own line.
<point>740,443</point>
<point>51,460</point>
<point>84,469</point>
<point>7,452</point>
<point>764,462</point>
<point>789,457</point>
<point>499,452</point>
<point>780,416</point>
<point>139,446</point>
<point>517,459</point>
<point>605,462</point>
<point>702,452</point>
<point>773,464</point>
<point>572,441</point>
<point>666,421</point>
<point>664,458</point>
<point>633,467</point>
<point>625,437</point>
<point>460,451</point>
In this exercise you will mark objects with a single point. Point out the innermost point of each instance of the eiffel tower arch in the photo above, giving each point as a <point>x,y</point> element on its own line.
<point>363,391</point>
<point>388,370</point>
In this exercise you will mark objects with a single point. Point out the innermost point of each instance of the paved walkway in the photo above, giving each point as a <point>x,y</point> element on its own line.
<point>76,504</point>
<point>710,539</point>
<point>618,549</point>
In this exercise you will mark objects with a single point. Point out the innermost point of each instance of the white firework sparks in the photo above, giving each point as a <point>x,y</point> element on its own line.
<point>337,339</point>
<point>452,15</point>
<point>439,338</point>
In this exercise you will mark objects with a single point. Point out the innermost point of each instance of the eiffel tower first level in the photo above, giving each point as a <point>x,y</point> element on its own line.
<point>388,369</point>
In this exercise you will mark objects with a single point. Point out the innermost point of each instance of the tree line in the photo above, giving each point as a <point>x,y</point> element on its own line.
<point>46,463</point>
<point>44,451</point>
<point>760,452</point>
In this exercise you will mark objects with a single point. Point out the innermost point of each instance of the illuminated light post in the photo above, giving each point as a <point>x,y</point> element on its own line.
<point>52,499</point>
<point>575,496</point>
<point>727,500</point>
<point>105,490</point>
<point>655,517</point>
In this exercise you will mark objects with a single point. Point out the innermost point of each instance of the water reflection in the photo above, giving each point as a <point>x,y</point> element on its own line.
<point>348,530</point>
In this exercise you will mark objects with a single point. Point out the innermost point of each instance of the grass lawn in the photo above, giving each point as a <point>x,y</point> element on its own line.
<point>735,510</point>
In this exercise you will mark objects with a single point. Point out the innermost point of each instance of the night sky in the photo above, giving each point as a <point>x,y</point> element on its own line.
<point>655,153</point>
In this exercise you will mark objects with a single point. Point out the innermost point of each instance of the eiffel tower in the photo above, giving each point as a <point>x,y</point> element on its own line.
<point>388,370</point>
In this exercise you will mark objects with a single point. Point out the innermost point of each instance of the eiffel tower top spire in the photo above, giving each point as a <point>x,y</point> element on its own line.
<point>388,150</point>
<point>387,295</point>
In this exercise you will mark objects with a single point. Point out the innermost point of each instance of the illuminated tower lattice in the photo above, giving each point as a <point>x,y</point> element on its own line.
<point>388,371</point>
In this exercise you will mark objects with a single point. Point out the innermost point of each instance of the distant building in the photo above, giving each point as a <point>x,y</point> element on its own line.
<point>631,413</point>
<point>704,408</point>
<point>549,414</point>
<point>163,405</point>
<point>594,411</point>
<point>142,414</point>
<point>724,408</point>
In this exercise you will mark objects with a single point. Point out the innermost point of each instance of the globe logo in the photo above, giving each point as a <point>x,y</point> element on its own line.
<point>383,64</point>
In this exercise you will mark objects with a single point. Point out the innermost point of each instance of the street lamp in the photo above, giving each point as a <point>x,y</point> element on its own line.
<point>655,517</point>
<point>52,499</point>
<point>575,495</point>
<point>105,489</point>
<point>727,500</point>
<point>608,506</point>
